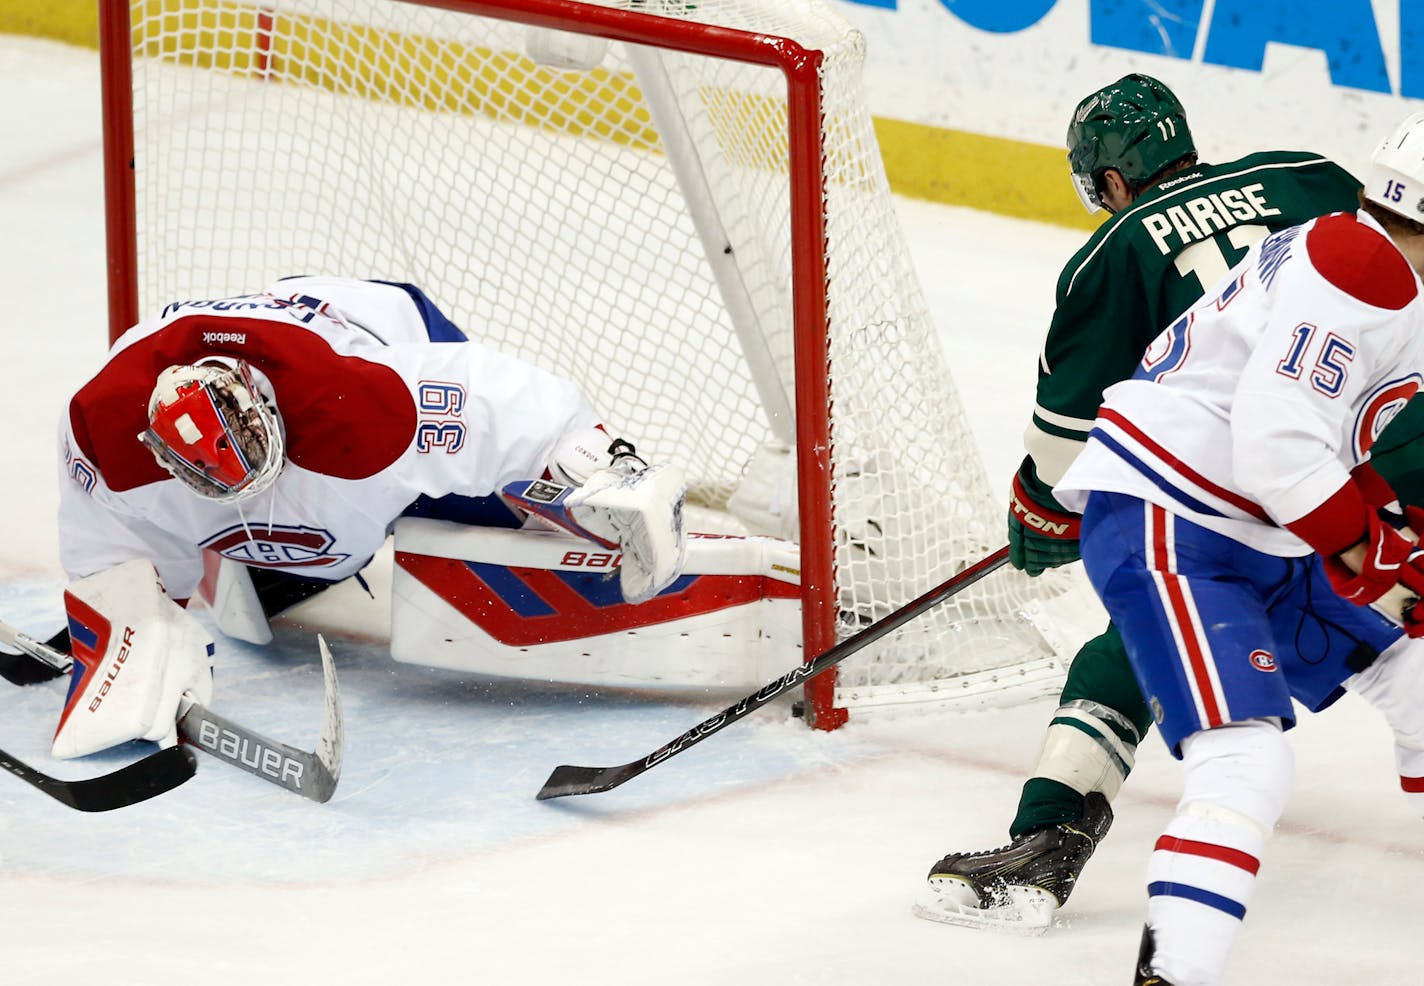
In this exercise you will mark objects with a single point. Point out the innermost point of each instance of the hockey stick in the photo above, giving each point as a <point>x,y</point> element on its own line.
<point>22,669</point>
<point>139,781</point>
<point>54,660</point>
<point>312,775</point>
<point>568,780</point>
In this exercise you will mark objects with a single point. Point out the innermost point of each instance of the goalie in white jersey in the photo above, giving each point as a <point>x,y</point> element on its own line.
<point>286,432</point>
<point>1226,491</point>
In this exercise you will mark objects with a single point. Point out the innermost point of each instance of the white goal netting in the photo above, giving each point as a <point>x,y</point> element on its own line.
<point>626,215</point>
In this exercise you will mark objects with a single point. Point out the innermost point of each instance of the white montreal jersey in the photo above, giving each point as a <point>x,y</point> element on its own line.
<point>381,401</point>
<point>1249,411</point>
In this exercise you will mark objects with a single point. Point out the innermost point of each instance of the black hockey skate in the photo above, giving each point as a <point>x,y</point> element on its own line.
<point>1142,972</point>
<point>1017,887</point>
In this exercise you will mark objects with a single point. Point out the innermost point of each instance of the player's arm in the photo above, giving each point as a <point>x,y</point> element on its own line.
<point>1095,339</point>
<point>96,533</point>
<point>1329,348</point>
<point>1043,534</point>
<point>1367,542</point>
<point>488,421</point>
<point>136,651</point>
<point>1381,563</point>
<point>1286,455</point>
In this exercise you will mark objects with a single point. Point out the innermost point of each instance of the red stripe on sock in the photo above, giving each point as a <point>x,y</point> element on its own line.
<point>1412,785</point>
<point>1235,857</point>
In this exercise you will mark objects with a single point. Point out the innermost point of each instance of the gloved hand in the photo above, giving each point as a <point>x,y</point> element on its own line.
<point>1380,561</point>
<point>1386,569</point>
<point>1043,534</point>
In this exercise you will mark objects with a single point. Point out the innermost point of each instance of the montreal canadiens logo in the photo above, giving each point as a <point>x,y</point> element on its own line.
<point>1380,409</point>
<point>1263,660</point>
<point>277,547</point>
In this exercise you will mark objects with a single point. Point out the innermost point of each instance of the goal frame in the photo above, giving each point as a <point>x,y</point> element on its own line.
<point>801,68</point>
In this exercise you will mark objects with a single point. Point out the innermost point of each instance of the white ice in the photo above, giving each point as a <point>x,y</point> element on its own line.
<point>767,855</point>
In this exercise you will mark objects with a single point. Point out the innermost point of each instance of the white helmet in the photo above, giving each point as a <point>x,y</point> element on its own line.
<point>1395,179</point>
<point>212,429</point>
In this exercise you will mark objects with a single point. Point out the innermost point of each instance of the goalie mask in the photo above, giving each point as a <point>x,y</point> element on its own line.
<point>1136,126</point>
<point>212,429</point>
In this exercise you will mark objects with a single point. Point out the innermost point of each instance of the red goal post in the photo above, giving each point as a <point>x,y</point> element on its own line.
<point>679,203</point>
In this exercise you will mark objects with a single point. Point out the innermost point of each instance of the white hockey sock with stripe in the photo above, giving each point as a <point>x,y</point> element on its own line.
<point>1203,868</point>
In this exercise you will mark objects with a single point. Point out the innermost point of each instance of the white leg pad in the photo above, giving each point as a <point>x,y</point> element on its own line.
<point>765,499</point>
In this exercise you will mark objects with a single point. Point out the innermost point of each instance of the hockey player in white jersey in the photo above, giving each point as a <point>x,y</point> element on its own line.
<point>286,431</point>
<point>1226,491</point>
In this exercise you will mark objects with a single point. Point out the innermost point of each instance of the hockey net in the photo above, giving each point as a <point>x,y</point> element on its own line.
<point>681,205</point>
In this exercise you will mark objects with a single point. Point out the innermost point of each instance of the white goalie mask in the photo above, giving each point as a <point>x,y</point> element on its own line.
<point>212,429</point>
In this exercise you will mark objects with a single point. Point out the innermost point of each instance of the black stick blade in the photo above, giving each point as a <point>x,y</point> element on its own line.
<point>567,780</point>
<point>155,774</point>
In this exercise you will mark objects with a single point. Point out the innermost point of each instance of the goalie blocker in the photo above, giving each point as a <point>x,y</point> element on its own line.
<point>137,656</point>
<point>548,605</point>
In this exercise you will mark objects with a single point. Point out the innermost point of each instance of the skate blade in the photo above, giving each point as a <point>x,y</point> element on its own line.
<point>1029,913</point>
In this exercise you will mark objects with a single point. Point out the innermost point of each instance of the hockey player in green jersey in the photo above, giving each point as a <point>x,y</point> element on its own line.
<point>1176,227</point>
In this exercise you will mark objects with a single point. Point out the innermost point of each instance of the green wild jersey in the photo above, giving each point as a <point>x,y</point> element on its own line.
<point>1151,262</point>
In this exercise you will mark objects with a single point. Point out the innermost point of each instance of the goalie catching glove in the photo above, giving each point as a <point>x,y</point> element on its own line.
<point>618,501</point>
<point>1043,534</point>
<point>136,653</point>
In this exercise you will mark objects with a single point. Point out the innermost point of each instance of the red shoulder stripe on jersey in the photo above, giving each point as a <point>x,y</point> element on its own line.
<point>344,416</point>
<point>1360,261</point>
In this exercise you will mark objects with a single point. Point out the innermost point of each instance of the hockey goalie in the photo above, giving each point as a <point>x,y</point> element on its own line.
<point>283,436</point>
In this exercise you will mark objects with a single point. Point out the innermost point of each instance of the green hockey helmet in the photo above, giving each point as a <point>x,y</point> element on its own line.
<point>1136,126</point>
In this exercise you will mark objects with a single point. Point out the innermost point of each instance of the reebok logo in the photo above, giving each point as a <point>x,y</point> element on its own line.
<point>1172,183</point>
<point>215,338</point>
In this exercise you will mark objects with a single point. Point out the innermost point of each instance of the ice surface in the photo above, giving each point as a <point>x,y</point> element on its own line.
<point>767,855</point>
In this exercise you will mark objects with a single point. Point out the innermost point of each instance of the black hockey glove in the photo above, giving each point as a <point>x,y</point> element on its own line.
<point>1043,534</point>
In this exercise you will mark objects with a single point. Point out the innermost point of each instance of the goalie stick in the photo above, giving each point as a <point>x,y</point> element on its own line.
<point>139,781</point>
<point>570,780</point>
<point>312,775</point>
